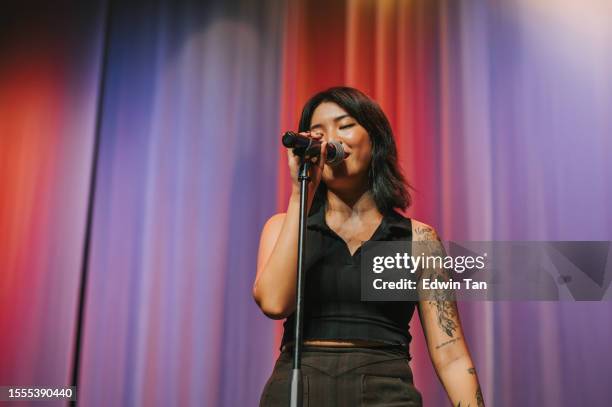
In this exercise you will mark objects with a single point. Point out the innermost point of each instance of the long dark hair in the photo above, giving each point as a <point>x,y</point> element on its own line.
<point>386,181</point>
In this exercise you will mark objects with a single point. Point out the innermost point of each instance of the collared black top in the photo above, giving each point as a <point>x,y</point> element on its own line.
<point>332,299</point>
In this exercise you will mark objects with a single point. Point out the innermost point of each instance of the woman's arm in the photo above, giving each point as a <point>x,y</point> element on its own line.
<point>275,282</point>
<point>276,279</point>
<point>445,340</point>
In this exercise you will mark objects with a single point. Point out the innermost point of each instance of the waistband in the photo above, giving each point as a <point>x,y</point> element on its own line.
<point>398,349</point>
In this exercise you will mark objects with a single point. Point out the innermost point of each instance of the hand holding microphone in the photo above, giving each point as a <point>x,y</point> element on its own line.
<point>310,146</point>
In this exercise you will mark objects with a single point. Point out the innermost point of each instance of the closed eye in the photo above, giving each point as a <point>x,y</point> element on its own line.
<point>347,126</point>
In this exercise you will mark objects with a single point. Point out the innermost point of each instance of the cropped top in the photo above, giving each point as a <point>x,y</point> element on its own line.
<point>332,293</point>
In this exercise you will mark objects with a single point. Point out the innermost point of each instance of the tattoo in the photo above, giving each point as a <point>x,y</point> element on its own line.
<point>446,316</point>
<point>442,299</point>
<point>450,341</point>
<point>479,398</point>
<point>425,233</point>
<point>446,310</point>
<point>427,238</point>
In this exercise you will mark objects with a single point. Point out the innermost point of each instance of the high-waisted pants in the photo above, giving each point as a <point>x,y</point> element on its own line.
<point>351,377</point>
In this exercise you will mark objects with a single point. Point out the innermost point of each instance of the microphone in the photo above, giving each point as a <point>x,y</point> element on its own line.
<point>308,147</point>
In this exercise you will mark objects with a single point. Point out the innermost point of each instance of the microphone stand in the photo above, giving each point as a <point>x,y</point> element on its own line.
<point>297,385</point>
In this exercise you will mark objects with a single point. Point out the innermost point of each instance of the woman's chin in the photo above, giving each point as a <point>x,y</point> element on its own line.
<point>341,179</point>
<point>336,174</point>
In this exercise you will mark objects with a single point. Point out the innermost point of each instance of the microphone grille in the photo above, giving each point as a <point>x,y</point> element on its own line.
<point>338,156</point>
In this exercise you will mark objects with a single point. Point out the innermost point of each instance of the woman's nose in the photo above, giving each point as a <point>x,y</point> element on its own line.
<point>332,135</point>
<point>319,134</point>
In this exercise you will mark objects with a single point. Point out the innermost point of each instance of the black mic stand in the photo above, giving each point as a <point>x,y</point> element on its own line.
<point>297,385</point>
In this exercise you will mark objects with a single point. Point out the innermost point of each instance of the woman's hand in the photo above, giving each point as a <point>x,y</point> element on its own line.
<point>316,169</point>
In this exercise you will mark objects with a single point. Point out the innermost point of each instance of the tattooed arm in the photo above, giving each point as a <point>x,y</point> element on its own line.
<point>442,328</point>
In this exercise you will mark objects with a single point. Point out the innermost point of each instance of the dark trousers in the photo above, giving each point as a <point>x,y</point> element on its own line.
<point>350,377</point>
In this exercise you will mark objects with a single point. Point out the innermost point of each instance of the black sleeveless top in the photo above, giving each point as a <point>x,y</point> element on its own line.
<point>332,305</point>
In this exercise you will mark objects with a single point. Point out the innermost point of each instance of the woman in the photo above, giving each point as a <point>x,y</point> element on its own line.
<point>355,353</point>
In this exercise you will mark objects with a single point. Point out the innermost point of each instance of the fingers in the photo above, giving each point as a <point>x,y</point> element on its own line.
<point>305,133</point>
<point>315,136</point>
<point>291,154</point>
<point>320,160</point>
<point>323,154</point>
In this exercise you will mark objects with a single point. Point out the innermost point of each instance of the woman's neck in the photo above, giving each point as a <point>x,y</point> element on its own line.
<point>351,203</point>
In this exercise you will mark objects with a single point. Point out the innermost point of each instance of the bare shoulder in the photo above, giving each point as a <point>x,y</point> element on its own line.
<point>422,231</point>
<point>274,224</point>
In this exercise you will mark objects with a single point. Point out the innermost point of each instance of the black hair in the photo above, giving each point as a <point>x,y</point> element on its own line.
<point>386,181</point>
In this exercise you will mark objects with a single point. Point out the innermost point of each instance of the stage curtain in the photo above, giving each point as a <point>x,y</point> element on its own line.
<point>501,115</point>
